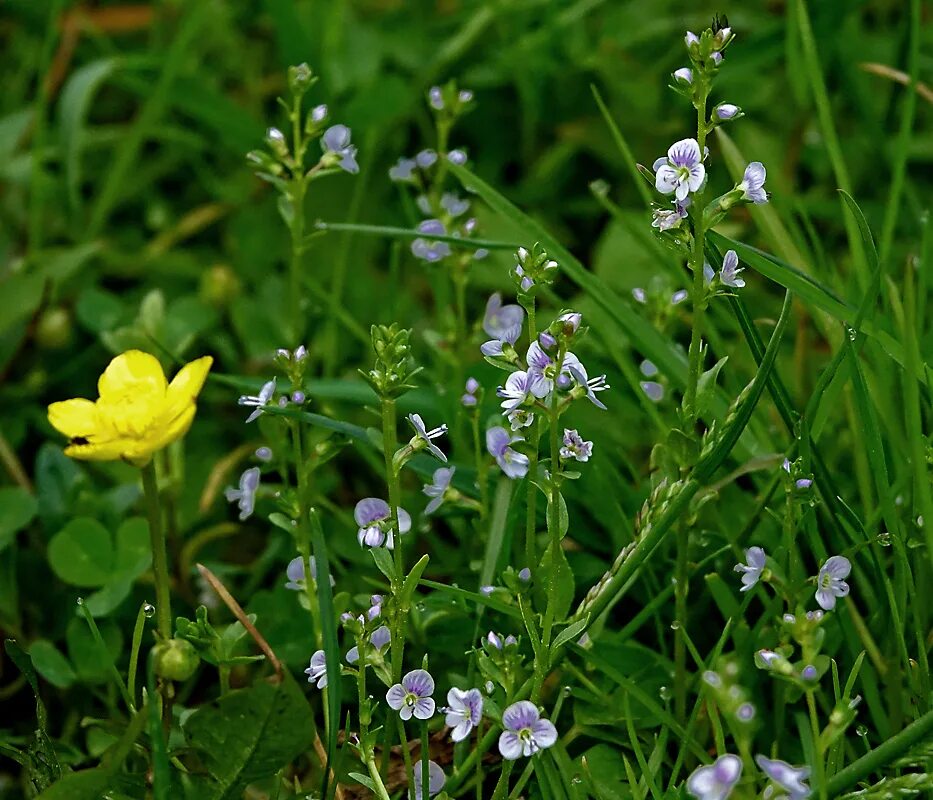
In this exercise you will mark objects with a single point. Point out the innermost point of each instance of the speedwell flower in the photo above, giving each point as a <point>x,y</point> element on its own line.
<point>436,779</point>
<point>258,401</point>
<point>575,446</point>
<point>520,387</point>
<point>423,436</point>
<point>427,249</point>
<point>317,670</point>
<point>374,519</point>
<point>755,556</point>
<point>716,781</point>
<point>412,697</point>
<point>511,462</point>
<point>590,386</point>
<point>790,779</point>
<point>137,413</point>
<point>295,572</point>
<point>464,711</point>
<point>437,489</point>
<point>245,494</point>
<point>525,732</point>
<point>665,218</point>
<point>682,171</point>
<point>729,275</point>
<point>336,140</point>
<point>831,581</point>
<point>753,183</point>
<point>380,639</point>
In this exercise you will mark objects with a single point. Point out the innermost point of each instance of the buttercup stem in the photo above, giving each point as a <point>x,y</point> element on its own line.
<point>159,558</point>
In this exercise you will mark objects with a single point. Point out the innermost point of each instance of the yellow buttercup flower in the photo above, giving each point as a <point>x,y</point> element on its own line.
<point>138,411</point>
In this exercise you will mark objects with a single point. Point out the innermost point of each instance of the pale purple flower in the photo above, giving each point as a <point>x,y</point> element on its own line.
<point>336,139</point>
<point>453,205</point>
<point>524,574</point>
<point>525,732</point>
<point>726,111</point>
<point>542,363</point>
<point>500,321</point>
<point>258,401</point>
<point>412,697</point>
<point>547,341</point>
<point>803,483</point>
<point>520,418</point>
<point>590,385</point>
<point>653,390</point>
<point>520,387</point>
<point>245,494</point>
<point>815,616</point>
<point>372,515</point>
<point>648,368</point>
<point>716,781</point>
<point>708,273</point>
<point>469,396</point>
<point>683,75</point>
<point>486,591</point>
<point>317,670</point>
<point>425,436</point>
<point>375,607</point>
<point>716,57</point>
<point>319,113</point>
<point>403,170</point>
<point>379,639</point>
<point>682,171</point>
<point>664,219</point>
<point>458,157</point>
<point>511,462</point>
<point>831,581</point>
<point>574,446</point>
<point>755,556</point>
<point>465,95</point>
<point>691,39</point>
<point>753,183</point>
<point>436,98</point>
<point>464,711</point>
<point>295,572</point>
<point>494,639</point>
<point>639,295</point>
<point>790,779</point>
<point>729,274</point>
<point>436,779</point>
<point>426,249</point>
<point>571,319</point>
<point>438,487</point>
<point>425,158</point>
<point>767,658</point>
<point>809,673</point>
<point>263,453</point>
<point>298,397</point>
<point>679,296</point>
<point>745,712</point>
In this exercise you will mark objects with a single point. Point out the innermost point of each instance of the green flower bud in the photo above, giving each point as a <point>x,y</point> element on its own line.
<point>54,328</point>
<point>176,659</point>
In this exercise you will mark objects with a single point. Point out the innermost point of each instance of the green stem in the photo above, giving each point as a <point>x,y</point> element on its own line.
<point>553,515</point>
<point>473,760</point>
<point>159,559</point>
<point>381,791</point>
<point>818,765</point>
<point>399,614</point>
<point>134,651</point>
<point>534,436</point>
<point>502,787</point>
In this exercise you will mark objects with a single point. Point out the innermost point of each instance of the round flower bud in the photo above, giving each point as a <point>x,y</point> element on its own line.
<point>726,111</point>
<point>176,659</point>
<point>219,285</point>
<point>300,78</point>
<point>684,75</point>
<point>547,341</point>
<point>54,328</point>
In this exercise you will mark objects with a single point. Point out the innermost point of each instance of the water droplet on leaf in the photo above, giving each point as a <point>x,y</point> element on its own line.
<point>149,610</point>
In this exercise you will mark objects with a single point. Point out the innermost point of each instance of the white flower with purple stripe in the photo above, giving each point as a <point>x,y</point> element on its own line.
<point>665,218</point>
<point>682,171</point>
<point>751,572</point>
<point>575,446</point>
<point>295,572</point>
<point>245,494</point>
<point>789,778</point>
<point>464,711</point>
<point>429,250</point>
<point>336,139</point>
<point>436,779</point>
<point>522,387</point>
<point>501,322</point>
<point>423,437</point>
<point>831,583</point>
<point>753,183</point>
<point>412,697</point>
<point>729,274</point>
<point>437,489</point>
<point>258,401</point>
<point>589,385</point>
<point>317,670</point>
<point>374,519</point>
<point>379,639</point>
<point>511,462</point>
<point>525,732</point>
<point>716,781</point>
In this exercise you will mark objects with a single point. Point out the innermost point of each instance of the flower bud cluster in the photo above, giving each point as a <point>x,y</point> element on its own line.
<point>394,367</point>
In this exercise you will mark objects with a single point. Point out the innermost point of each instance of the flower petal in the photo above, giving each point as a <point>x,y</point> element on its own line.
<point>395,697</point>
<point>522,714</point>
<point>369,510</point>
<point>510,746</point>
<point>685,153</point>
<point>666,178</point>
<point>75,418</point>
<point>132,372</point>
<point>424,708</point>
<point>544,732</point>
<point>187,383</point>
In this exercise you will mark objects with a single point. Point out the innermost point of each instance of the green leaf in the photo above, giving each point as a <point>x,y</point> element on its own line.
<point>411,582</point>
<point>365,780</point>
<point>91,663</point>
<point>571,631</point>
<point>81,553</point>
<point>706,386</point>
<point>51,664</point>
<point>133,550</point>
<point>17,509</point>
<point>558,583</point>
<point>250,734</point>
<point>384,562</point>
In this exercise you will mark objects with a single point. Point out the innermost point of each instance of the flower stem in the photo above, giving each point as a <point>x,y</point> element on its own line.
<point>399,614</point>
<point>533,437</point>
<point>159,559</point>
<point>553,516</point>
<point>502,787</point>
<point>818,767</point>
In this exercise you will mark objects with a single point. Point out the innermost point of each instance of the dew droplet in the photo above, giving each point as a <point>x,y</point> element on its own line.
<point>675,625</point>
<point>853,334</point>
<point>666,693</point>
<point>148,610</point>
<point>80,601</point>
<point>568,690</point>
<point>861,730</point>
<point>884,539</point>
<point>576,780</point>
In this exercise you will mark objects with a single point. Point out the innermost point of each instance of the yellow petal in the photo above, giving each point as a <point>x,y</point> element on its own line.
<point>170,430</point>
<point>132,372</point>
<point>111,450</point>
<point>75,418</point>
<point>186,385</point>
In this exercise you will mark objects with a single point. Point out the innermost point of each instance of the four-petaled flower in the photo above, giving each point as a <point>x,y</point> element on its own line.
<point>831,583</point>
<point>426,249</point>
<point>755,556</point>
<point>665,218</point>
<point>436,779</point>
<point>380,639</point>
<point>464,711</point>
<point>729,275</point>
<point>682,171</point>
<point>423,436</point>
<point>412,697</point>
<point>525,732</point>
<point>258,401</point>
<point>403,170</point>
<point>520,387</point>
<point>137,413</point>
<point>245,494</point>
<point>790,779</point>
<point>373,517</point>
<point>575,446</point>
<point>437,489</point>
<point>295,572</point>
<point>589,385</point>
<point>336,139</point>
<point>716,781</point>
<point>511,462</point>
<point>503,323</point>
<point>753,183</point>
<point>317,670</point>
